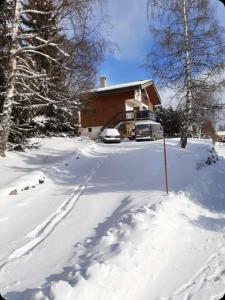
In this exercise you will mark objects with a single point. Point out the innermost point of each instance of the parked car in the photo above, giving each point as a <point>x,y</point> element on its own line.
<point>148,130</point>
<point>111,135</point>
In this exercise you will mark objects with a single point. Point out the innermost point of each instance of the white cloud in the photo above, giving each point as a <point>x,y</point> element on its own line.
<point>130,27</point>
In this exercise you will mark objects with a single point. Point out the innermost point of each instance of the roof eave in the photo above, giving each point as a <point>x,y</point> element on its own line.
<point>115,91</point>
<point>127,89</point>
<point>156,91</point>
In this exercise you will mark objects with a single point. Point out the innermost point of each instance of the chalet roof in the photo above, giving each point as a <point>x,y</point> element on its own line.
<point>117,88</point>
<point>141,83</point>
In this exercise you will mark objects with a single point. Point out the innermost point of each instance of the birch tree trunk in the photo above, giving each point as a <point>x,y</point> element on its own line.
<point>188,108</point>
<point>8,103</point>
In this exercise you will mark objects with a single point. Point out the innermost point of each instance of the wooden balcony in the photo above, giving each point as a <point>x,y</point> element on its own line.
<point>129,116</point>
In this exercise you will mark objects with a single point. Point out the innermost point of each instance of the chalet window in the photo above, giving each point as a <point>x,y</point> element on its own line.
<point>89,129</point>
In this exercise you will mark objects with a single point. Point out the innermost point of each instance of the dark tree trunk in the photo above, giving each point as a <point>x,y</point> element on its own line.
<point>183,138</point>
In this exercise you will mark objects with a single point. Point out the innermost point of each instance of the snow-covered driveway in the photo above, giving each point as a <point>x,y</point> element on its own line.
<point>101,226</point>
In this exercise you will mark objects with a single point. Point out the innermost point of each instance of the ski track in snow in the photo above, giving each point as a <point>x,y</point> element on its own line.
<point>43,230</point>
<point>209,280</point>
<point>210,277</point>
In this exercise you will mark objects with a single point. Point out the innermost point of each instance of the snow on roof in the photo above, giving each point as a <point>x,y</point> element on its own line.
<point>110,131</point>
<point>220,132</point>
<point>143,122</point>
<point>121,86</point>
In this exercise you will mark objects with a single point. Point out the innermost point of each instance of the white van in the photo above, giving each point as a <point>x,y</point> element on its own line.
<point>148,130</point>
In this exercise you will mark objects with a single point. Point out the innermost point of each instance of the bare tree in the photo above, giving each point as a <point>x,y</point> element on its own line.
<point>188,49</point>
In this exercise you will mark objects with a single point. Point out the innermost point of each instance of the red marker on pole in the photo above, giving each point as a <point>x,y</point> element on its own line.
<point>165,164</point>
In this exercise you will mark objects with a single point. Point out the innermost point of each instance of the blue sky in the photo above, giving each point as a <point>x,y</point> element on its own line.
<point>130,32</point>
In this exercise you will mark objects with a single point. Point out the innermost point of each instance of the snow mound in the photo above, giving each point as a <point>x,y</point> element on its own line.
<point>104,259</point>
<point>136,243</point>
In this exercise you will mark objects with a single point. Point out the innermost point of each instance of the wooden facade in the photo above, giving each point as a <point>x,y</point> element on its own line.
<point>102,105</point>
<point>102,108</point>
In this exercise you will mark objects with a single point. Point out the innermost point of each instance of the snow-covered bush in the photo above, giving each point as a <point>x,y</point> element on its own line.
<point>212,158</point>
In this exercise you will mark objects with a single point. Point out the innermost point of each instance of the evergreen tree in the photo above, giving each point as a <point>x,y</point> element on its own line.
<point>170,119</point>
<point>46,70</point>
<point>47,28</point>
<point>25,79</point>
<point>85,49</point>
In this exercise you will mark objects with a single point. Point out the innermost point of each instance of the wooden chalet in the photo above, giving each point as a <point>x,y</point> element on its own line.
<point>118,106</point>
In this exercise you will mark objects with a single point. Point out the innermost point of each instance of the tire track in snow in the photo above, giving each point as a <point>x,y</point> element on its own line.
<point>43,230</point>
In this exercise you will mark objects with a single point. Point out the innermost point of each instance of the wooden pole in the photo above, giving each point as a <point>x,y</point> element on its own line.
<point>165,165</point>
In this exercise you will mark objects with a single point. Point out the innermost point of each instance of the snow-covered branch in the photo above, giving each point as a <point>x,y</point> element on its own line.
<point>39,47</point>
<point>47,56</point>
<point>43,64</point>
<point>20,75</point>
<point>53,45</point>
<point>27,87</point>
<point>33,11</point>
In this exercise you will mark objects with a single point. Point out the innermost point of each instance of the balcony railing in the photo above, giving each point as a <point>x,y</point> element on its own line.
<point>130,115</point>
<point>145,115</point>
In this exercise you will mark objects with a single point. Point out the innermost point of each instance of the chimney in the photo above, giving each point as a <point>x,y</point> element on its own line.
<point>103,82</point>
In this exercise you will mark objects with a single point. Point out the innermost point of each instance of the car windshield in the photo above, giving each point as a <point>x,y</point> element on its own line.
<point>142,127</point>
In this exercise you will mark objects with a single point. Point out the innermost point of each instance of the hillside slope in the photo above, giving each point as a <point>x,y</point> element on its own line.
<point>92,221</point>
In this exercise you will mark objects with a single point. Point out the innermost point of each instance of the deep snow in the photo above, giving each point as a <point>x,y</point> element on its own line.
<point>101,226</point>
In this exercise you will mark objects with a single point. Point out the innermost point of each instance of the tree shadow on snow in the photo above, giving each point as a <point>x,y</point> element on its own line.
<point>81,255</point>
<point>144,172</point>
<point>210,223</point>
<point>25,295</point>
<point>82,251</point>
<point>201,185</point>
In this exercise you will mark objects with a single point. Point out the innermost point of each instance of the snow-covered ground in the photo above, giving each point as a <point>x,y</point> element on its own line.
<point>92,221</point>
